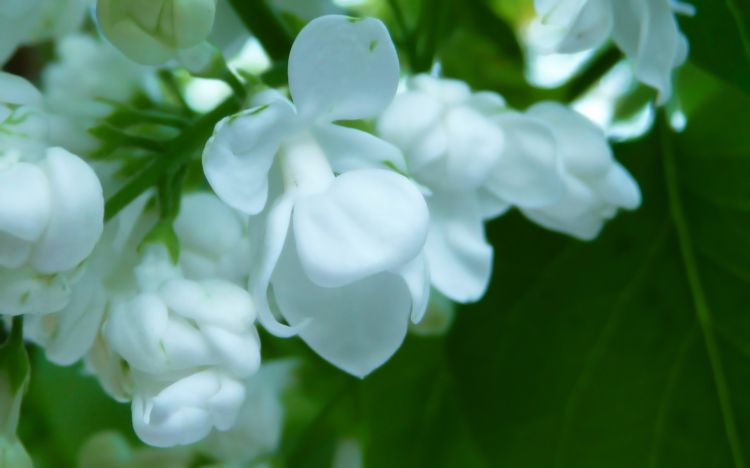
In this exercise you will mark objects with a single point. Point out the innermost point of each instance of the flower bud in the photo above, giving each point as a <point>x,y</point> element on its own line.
<point>153,31</point>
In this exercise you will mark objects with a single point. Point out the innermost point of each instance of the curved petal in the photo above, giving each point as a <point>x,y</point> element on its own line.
<point>207,225</point>
<point>458,254</point>
<point>186,411</point>
<point>367,222</point>
<point>569,26</point>
<point>409,117</point>
<point>26,197</point>
<point>275,229</point>
<point>357,327</point>
<point>416,275</point>
<point>77,216</point>
<point>354,78</point>
<point>475,144</point>
<point>239,155</point>
<point>581,144</point>
<point>16,90</point>
<point>134,330</point>
<point>527,174</point>
<point>75,327</point>
<point>349,149</point>
<point>647,32</point>
<point>619,188</point>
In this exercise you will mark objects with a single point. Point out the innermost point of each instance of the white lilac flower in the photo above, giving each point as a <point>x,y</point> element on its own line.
<point>451,146</point>
<point>52,208</point>
<point>213,238</point>
<point>340,246</point>
<point>594,185</point>
<point>645,30</point>
<point>70,334</point>
<point>185,411</point>
<point>152,32</point>
<point>260,422</point>
<point>187,346</point>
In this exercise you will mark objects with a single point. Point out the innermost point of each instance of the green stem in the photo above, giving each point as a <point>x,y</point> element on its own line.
<point>266,25</point>
<point>182,149</point>
<point>702,310</point>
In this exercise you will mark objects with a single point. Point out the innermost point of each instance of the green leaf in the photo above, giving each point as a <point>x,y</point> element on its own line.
<point>720,39</point>
<point>633,350</point>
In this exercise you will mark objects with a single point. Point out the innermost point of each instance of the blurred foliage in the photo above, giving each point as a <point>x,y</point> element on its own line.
<point>630,351</point>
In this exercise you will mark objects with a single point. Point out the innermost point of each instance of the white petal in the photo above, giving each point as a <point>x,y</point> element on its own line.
<point>186,411</point>
<point>76,326</point>
<point>447,91</point>
<point>135,328</point>
<point>409,117</point>
<point>207,225</point>
<point>343,68</point>
<point>240,353</point>
<point>568,26</point>
<point>349,149</point>
<point>416,274</point>
<point>619,188</point>
<point>77,217</point>
<point>527,174</point>
<point>582,145</point>
<point>238,157</point>
<point>274,227</point>
<point>458,254</point>
<point>357,327</point>
<point>647,32</point>
<point>25,206</point>
<point>368,221</point>
<point>16,90</point>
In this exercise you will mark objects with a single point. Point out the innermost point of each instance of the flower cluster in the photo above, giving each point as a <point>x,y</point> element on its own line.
<point>645,30</point>
<point>330,210</point>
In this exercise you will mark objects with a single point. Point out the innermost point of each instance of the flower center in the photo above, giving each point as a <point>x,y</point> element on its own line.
<point>304,165</point>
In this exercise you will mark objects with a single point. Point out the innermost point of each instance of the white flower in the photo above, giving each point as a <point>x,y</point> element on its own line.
<point>451,146</point>
<point>153,31</point>
<point>339,253</point>
<point>213,238</point>
<point>68,335</point>
<point>645,30</point>
<point>51,202</point>
<point>594,185</point>
<point>187,410</point>
<point>26,21</point>
<point>260,422</point>
<point>180,325</point>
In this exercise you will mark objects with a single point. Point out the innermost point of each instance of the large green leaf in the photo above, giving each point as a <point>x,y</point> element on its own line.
<point>633,350</point>
<point>719,37</point>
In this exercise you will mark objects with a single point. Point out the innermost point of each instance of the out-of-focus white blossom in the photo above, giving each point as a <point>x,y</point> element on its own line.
<point>594,185</point>
<point>77,100</point>
<point>152,32</point>
<point>28,21</point>
<point>340,254</point>
<point>645,30</point>
<point>451,146</point>
<point>185,411</point>
<point>260,422</point>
